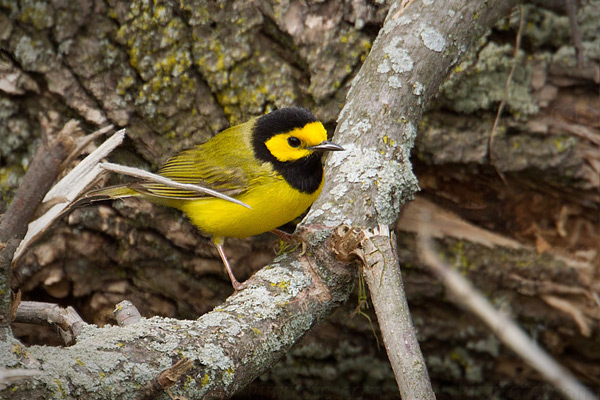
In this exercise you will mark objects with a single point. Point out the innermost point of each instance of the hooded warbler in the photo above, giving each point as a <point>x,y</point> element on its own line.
<point>271,163</point>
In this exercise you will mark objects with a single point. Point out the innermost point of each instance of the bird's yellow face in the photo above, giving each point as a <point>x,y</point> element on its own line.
<point>295,144</point>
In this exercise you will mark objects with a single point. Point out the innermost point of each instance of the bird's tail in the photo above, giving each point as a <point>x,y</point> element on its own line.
<point>108,193</point>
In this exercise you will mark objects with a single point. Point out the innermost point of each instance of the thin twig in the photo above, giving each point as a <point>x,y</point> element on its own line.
<point>66,320</point>
<point>500,324</point>
<point>571,7</point>
<point>140,173</point>
<point>506,87</point>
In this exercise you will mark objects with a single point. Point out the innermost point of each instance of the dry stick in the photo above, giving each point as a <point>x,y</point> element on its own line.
<point>500,324</point>
<point>66,320</point>
<point>68,189</point>
<point>85,142</point>
<point>14,375</point>
<point>571,7</point>
<point>506,86</point>
<point>40,175</point>
<point>383,276</point>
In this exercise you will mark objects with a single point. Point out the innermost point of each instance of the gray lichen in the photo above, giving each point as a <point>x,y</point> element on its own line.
<point>478,82</point>
<point>432,39</point>
<point>396,58</point>
<point>368,167</point>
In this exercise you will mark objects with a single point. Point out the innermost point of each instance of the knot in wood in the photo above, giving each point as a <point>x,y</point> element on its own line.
<point>345,242</point>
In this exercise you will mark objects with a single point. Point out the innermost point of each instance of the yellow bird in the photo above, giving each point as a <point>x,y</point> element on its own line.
<point>271,163</point>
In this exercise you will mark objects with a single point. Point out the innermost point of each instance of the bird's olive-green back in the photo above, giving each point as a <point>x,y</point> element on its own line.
<point>225,163</point>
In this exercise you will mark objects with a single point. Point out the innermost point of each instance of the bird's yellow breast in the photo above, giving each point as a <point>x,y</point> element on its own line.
<point>274,203</point>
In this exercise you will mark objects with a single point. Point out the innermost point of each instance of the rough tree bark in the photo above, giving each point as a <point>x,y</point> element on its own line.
<point>174,75</point>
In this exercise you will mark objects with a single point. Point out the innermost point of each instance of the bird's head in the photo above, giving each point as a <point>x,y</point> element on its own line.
<point>290,134</point>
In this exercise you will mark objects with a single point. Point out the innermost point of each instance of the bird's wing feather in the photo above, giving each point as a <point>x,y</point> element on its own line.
<point>215,166</point>
<point>189,167</point>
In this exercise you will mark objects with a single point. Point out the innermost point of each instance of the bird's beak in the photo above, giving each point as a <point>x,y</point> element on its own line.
<point>326,146</point>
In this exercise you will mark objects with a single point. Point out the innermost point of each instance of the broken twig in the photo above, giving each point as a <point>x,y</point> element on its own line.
<point>382,274</point>
<point>66,320</point>
<point>167,378</point>
<point>68,189</point>
<point>126,313</point>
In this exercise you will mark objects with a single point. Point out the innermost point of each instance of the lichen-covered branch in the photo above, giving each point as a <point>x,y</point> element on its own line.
<point>383,276</point>
<point>412,55</point>
<point>229,347</point>
<point>410,58</point>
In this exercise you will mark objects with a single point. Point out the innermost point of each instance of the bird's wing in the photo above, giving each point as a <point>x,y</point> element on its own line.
<point>197,166</point>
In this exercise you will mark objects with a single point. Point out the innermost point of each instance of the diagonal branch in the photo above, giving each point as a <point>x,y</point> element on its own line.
<point>415,51</point>
<point>503,327</point>
<point>412,55</point>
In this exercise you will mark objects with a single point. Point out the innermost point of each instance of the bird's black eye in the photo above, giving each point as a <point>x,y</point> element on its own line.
<point>293,141</point>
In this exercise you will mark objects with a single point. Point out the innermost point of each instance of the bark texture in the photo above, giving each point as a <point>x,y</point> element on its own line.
<point>175,73</point>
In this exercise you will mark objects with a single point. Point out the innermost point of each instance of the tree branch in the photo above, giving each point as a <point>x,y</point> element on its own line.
<point>383,276</point>
<point>500,324</point>
<point>411,57</point>
<point>66,320</point>
<point>414,52</point>
<point>40,176</point>
<point>229,347</point>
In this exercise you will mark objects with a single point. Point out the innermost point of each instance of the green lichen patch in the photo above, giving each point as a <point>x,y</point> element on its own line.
<point>334,64</point>
<point>34,53</point>
<point>479,82</point>
<point>159,52</point>
<point>255,84</point>
<point>10,178</point>
<point>39,14</point>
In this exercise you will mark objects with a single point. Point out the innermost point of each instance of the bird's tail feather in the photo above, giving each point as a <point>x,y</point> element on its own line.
<point>108,193</point>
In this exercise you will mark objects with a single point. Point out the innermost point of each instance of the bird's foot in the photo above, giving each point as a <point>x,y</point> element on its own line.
<point>237,286</point>
<point>288,242</point>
